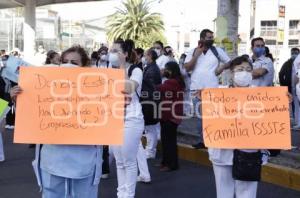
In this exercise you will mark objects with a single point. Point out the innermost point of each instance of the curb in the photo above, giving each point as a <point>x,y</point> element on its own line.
<point>271,173</point>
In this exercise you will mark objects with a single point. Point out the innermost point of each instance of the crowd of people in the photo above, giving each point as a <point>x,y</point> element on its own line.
<point>159,93</point>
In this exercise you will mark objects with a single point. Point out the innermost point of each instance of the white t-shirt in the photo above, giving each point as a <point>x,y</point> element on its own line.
<point>134,114</point>
<point>162,61</point>
<point>203,75</point>
<point>266,80</point>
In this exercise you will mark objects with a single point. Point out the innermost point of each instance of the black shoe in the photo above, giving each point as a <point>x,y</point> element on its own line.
<point>199,145</point>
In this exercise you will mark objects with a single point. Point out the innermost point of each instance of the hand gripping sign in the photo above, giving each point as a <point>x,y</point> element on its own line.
<point>246,118</point>
<point>80,106</point>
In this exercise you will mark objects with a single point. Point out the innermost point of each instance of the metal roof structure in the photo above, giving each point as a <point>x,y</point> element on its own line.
<point>19,3</point>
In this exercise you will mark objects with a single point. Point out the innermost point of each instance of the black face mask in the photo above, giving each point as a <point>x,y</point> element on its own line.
<point>209,43</point>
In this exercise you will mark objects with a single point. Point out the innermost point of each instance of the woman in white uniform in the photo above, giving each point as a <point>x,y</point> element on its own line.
<point>126,155</point>
<point>68,170</point>
<point>227,185</point>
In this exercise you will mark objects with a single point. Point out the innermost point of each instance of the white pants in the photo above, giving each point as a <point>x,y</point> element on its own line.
<point>188,104</point>
<point>2,158</point>
<point>126,161</point>
<point>296,110</point>
<point>142,162</point>
<point>227,187</point>
<point>152,135</point>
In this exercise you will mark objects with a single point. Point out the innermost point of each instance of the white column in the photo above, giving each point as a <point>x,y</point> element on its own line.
<point>29,29</point>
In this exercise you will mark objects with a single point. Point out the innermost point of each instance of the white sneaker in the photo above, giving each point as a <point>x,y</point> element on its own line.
<point>9,126</point>
<point>296,127</point>
<point>143,180</point>
<point>105,176</point>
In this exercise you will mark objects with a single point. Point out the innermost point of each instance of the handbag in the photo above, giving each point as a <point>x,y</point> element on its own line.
<point>246,166</point>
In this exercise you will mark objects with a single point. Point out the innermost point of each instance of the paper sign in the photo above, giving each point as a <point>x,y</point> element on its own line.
<point>246,118</point>
<point>82,106</point>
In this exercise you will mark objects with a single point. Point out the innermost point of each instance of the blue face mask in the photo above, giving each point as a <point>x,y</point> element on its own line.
<point>259,51</point>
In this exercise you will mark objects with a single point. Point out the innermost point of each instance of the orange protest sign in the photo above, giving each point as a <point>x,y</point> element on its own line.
<point>246,118</point>
<point>80,106</point>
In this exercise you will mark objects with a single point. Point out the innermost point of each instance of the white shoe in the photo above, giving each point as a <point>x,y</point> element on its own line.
<point>143,180</point>
<point>296,127</point>
<point>105,176</point>
<point>9,126</point>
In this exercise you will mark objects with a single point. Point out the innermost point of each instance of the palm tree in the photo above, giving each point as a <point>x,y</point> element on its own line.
<point>134,21</point>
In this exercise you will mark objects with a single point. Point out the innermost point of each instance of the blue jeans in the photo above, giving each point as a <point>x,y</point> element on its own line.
<point>198,112</point>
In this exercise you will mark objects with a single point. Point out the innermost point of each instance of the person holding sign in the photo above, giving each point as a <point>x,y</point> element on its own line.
<point>126,155</point>
<point>226,161</point>
<point>67,170</point>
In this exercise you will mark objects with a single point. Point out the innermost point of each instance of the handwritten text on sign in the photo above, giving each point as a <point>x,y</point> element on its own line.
<point>246,118</point>
<point>70,106</point>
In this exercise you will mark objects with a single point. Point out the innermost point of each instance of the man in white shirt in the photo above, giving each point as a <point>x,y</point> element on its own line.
<point>204,63</point>
<point>263,68</point>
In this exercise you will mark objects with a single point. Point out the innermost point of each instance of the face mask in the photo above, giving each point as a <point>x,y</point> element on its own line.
<point>113,59</point>
<point>103,57</point>
<point>209,43</point>
<point>144,61</point>
<point>294,56</point>
<point>259,51</point>
<point>242,79</point>
<point>68,65</point>
<point>157,52</point>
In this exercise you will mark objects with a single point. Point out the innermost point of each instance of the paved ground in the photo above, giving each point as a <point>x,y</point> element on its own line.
<point>191,181</point>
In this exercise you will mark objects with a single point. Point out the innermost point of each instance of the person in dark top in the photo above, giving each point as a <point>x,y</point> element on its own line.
<point>287,77</point>
<point>285,74</point>
<point>150,101</point>
<point>171,111</point>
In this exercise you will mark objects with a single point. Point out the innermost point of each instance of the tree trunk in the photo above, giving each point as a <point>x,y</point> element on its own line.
<point>227,29</point>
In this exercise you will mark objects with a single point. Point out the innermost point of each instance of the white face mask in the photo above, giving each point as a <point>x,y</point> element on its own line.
<point>103,57</point>
<point>157,52</point>
<point>68,65</point>
<point>113,59</point>
<point>242,78</point>
<point>144,61</point>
